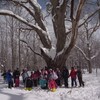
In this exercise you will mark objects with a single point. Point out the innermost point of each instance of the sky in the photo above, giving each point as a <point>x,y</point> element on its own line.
<point>43,3</point>
<point>91,91</point>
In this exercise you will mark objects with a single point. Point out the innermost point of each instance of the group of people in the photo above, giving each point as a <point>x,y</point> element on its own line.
<point>45,78</point>
<point>11,78</point>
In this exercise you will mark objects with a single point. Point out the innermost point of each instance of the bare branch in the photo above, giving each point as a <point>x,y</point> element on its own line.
<point>91,15</point>
<point>94,29</point>
<point>30,29</point>
<point>79,9</point>
<point>42,34</point>
<point>72,9</point>
<point>82,52</point>
<point>37,15</point>
<point>97,53</point>
<point>21,4</point>
<point>31,48</point>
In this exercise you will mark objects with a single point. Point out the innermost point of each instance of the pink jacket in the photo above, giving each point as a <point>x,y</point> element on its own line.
<point>52,84</point>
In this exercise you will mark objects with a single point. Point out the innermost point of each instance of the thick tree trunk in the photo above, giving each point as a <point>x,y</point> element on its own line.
<point>57,62</point>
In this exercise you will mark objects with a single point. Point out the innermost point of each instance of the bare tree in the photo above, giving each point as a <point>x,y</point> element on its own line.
<point>89,31</point>
<point>59,11</point>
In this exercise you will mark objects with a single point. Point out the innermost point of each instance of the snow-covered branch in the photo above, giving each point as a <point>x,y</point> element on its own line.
<point>22,5</point>
<point>31,48</point>
<point>38,16</point>
<point>82,52</point>
<point>42,34</point>
<point>95,55</point>
<point>10,13</point>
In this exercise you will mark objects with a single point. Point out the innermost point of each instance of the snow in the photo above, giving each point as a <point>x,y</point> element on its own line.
<point>91,91</point>
<point>50,52</point>
<point>60,3</point>
<point>11,13</point>
<point>36,3</point>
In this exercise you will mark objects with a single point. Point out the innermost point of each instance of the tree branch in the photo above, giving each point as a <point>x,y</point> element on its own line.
<point>42,34</point>
<point>91,15</point>
<point>37,14</point>
<point>82,52</point>
<point>72,9</point>
<point>31,48</point>
<point>22,5</point>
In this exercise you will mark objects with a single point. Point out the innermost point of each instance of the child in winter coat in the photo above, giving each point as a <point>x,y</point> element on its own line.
<point>52,85</point>
<point>43,83</point>
<point>28,84</point>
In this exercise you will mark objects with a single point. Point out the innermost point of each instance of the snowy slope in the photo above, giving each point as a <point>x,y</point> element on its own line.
<point>91,91</point>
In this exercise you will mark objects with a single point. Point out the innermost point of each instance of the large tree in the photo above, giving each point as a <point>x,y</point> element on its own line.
<point>62,12</point>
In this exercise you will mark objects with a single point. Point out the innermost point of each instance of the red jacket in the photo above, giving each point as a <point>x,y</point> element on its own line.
<point>34,76</point>
<point>73,74</point>
<point>52,84</point>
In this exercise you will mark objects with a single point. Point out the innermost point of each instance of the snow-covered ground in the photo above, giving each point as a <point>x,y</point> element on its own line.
<point>91,91</point>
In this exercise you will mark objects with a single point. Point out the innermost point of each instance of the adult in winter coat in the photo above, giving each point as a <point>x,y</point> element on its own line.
<point>65,75</point>
<point>9,79</point>
<point>16,75</point>
<point>73,75</point>
<point>79,75</point>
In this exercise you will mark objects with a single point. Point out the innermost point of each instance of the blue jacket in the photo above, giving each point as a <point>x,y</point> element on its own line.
<point>9,76</point>
<point>42,82</point>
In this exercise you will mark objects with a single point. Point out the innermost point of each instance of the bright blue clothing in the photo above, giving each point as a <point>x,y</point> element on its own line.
<point>43,83</point>
<point>8,76</point>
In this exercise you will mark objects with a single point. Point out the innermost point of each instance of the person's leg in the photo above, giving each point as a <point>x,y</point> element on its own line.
<point>79,79</point>
<point>72,82</point>
<point>66,82</point>
<point>75,82</point>
<point>9,84</point>
<point>35,83</point>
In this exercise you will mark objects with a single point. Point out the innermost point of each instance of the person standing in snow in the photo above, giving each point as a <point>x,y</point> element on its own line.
<point>52,86</point>
<point>24,75</point>
<point>16,75</point>
<point>9,79</point>
<point>4,76</point>
<point>73,75</point>
<point>65,75</point>
<point>43,82</point>
<point>79,75</point>
<point>58,80</point>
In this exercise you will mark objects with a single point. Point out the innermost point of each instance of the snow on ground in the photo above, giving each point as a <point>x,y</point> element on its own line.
<point>91,91</point>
